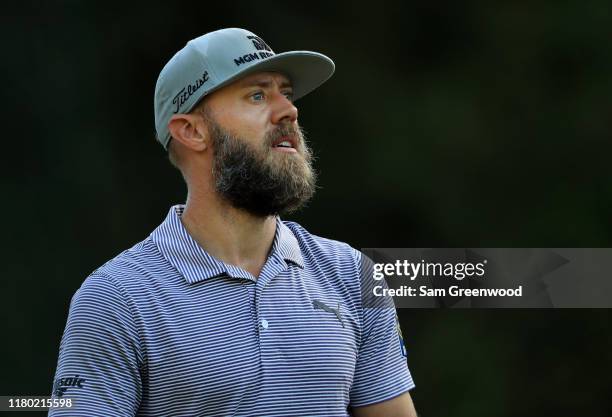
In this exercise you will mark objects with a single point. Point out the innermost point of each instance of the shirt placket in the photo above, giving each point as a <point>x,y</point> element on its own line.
<point>264,321</point>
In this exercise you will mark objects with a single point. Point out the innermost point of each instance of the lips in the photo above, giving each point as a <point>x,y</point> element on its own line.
<point>285,142</point>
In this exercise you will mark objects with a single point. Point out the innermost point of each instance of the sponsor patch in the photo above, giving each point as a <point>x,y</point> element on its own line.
<point>62,385</point>
<point>320,305</point>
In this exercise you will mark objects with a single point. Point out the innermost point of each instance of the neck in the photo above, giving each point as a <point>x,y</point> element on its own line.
<point>232,235</point>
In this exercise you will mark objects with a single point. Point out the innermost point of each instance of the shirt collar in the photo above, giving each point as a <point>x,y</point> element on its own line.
<point>195,264</point>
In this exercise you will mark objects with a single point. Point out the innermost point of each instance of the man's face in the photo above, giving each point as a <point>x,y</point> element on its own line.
<point>262,163</point>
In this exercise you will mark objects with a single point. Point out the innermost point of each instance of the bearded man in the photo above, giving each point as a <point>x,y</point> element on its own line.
<point>225,310</point>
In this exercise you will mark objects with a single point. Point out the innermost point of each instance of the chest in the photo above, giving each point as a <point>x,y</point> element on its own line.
<point>234,342</point>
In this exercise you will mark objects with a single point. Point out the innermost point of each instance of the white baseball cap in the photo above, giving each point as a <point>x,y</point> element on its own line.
<point>218,58</point>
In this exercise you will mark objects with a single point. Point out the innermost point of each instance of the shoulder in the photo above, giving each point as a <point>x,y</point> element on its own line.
<point>330,260</point>
<point>126,278</point>
<point>121,287</point>
<point>134,266</point>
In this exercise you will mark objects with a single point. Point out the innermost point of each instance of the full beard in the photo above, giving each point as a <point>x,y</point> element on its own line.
<point>260,180</point>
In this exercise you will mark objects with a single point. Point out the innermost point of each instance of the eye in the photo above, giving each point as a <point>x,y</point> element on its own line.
<point>288,94</point>
<point>258,96</point>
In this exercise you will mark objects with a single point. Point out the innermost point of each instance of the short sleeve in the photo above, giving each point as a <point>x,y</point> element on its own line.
<point>99,359</point>
<point>381,372</point>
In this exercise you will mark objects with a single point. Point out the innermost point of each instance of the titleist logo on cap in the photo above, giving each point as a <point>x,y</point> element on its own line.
<point>188,91</point>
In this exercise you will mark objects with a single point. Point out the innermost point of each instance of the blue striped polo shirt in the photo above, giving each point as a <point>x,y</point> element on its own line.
<point>165,329</point>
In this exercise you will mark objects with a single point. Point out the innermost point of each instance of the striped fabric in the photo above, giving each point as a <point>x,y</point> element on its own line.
<point>165,329</point>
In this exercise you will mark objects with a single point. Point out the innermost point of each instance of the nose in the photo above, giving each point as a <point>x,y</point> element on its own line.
<point>283,111</point>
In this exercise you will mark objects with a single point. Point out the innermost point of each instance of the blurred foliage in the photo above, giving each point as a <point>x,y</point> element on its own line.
<point>481,124</point>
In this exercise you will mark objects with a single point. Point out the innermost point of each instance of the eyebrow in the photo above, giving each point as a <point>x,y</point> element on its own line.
<point>265,83</point>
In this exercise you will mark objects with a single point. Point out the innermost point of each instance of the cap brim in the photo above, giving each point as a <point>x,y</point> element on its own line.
<point>305,69</point>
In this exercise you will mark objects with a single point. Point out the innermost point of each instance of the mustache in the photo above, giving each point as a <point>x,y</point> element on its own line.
<point>294,132</point>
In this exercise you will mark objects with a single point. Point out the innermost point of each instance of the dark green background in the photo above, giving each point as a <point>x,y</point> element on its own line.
<point>447,124</point>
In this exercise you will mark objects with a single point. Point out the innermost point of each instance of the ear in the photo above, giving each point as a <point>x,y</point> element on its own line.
<point>190,130</point>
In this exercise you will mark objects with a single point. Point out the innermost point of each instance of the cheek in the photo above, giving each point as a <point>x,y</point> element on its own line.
<point>249,126</point>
